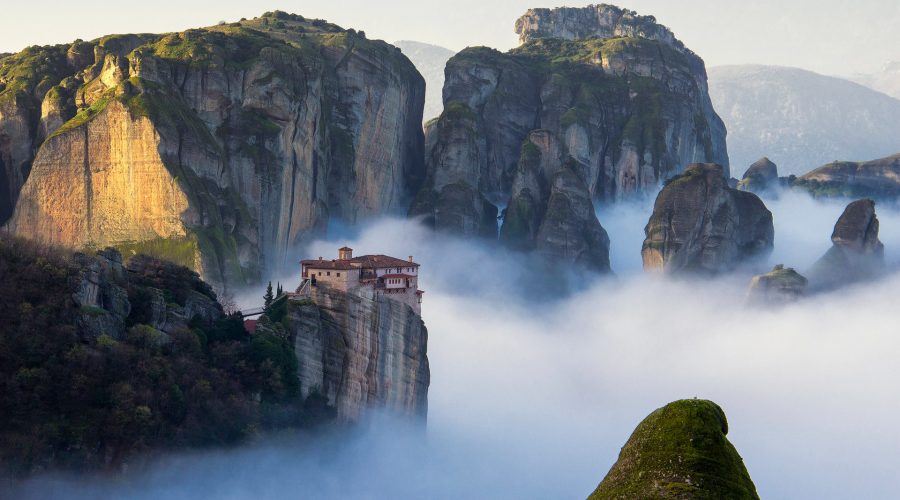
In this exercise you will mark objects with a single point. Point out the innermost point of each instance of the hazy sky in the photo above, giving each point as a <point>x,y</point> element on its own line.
<point>828,36</point>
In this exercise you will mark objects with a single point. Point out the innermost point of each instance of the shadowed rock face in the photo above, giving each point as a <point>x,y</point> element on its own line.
<point>622,108</point>
<point>699,224</point>
<point>679,451</point>
<point>761,176</point>
<point>551,211</point>
<point>781,285</point>
<point>879,179</point>
<point>220,148</point>
<point>856,253</point>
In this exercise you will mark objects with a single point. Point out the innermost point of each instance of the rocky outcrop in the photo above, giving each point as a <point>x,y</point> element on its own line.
<point>101,293</point>
<point>593,21</point>
<point>878,179</point>
<point>856,253</point>
<point>679,451</point>
<point>699,224</point>
<point>551,213</point>
<point>781,285</point>
<point>159,295</point>
<point>622,113</point>
<point>360,350</point>
<point>760,177</point>
<point>219,148</point>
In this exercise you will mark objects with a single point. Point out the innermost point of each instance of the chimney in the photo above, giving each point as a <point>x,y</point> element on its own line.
<point>345,253</point>
<point>320,258</point>
<point>410,258</point>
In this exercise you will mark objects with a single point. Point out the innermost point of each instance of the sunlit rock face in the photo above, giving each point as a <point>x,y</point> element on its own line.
<point>362,351</point>
<point>700,224</point>
<point>856,253</point>
<point>621,108</point>
<point>680,451</point>
<point>220,148</point>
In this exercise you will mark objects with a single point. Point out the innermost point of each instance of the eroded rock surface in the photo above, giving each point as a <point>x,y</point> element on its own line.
<point>879,179</point>
<point>760,177</point>
<point>622,108</point>
<point>699,224</point>
<point>779,286</point>
<point>856,253</point>
<point>361,351</point>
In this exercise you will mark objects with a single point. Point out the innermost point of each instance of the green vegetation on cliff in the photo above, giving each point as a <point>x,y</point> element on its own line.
<point>78,397</point>
<point>32,71</point>
<point>680,452</point>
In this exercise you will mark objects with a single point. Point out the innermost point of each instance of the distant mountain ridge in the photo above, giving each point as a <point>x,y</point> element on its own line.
<point>887,80</point>
<point>801,119</point>
<point>430,60</point>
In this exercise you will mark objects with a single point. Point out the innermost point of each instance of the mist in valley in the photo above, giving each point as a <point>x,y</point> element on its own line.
<point>533,391</point>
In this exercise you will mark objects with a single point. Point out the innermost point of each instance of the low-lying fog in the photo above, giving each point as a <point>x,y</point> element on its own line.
<point>533,394</point>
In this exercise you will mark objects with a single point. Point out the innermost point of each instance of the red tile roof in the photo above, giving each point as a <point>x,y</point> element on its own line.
<point>365,261</point>
<point>250,325</point>
<point>382,261</point>
<point>328,264</point>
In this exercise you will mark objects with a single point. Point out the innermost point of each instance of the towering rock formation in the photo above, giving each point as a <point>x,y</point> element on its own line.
<point>760,177</point>
<point>360,350</point>
<point>878,179</point>
<point>220,148</point>
<point>700,224</point>
<point>856,253</point>
<point>593,21</point>
<point>680,451</point>
<point>597,93</point>
<point>779,286</point>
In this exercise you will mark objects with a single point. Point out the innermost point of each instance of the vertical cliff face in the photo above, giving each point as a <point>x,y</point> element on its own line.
<point>622,109</point>
<point>699,224</point>
<point>361,351</point>
<point>26,79</point>
<point>224,147</point>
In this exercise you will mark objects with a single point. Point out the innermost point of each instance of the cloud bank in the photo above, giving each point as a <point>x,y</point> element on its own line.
<point>534,393</point>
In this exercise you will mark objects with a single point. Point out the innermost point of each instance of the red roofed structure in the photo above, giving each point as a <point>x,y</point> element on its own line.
<point>386,275</point>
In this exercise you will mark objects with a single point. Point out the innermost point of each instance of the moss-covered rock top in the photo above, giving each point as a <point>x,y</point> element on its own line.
<point>33,71</point>
<point>680,452</point>
<point>546,54</point>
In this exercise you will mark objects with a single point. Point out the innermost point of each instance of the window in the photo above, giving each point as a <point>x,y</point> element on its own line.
<point>320,273</point>
<point>328,273</point>
<point>338,275</point>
